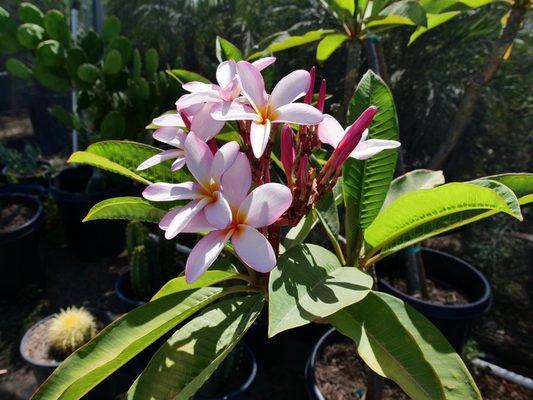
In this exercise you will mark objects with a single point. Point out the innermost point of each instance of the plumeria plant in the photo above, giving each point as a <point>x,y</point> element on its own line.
<point>254,200</point>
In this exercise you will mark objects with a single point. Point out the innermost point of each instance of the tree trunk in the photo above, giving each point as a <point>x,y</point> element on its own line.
<point>469,101</point>
<point>353,54</point>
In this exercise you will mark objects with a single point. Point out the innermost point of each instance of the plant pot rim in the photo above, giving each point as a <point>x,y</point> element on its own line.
<point>46,166</point>
<point>247,383</point>
<point>104,317</point>
<point>311,383</point>
<point>38,208</point>
<point>483,302</point>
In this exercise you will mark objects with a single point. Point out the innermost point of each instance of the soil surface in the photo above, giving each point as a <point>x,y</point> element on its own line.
<point>13,215</point>
<point>439,293</point>
<point>342,375</point>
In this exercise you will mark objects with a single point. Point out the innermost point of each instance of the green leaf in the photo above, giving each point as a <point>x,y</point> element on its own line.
<point>328,45</point>
<point>121,341</point>
<point>51,53</point>
<point>88,73</point>
<point>151,61</point>
<point>53,78</point>
<point>520,183</point>
<point>404,12</point>
<point>440,6</point>
<point>284,42</point>
<point>30,13</point>
<point>309,283</point>
<point>57,27</point>
<point>18,69</point>
<point>411,181</point>
<point>505,193</point>
<point>92,45</point>
<point>184,76</point>
<point>424,213</point>
<point>226,50</point>
<point>30,35</point>
<point>208,278</point>
<point>111,28</point>
<point>113,125</point>
<point>397,342</point>
<point>433,20</point>
<point>75,57</point>
<point>130,208</point>
<point>67,118</point>
<point>195,351</point>
<point>112,62</point>
<point>366,183</point>
<point>123,157</point>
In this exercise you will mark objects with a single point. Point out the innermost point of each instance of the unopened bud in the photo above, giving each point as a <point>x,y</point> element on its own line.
<point>309,95</point>
<point>287,149</point>
<point>321,96</point>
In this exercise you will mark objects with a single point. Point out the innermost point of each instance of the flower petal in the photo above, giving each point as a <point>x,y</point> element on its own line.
<point>159,158</point>
<point>236,181</point>
<point>218,213</point>
<point>169,120</point>
<point>264,205</point>
<point>290,88</point>
<point>226,72</point>
<point>264,62</point>
<point>178,164</point>
<point>259,135</point>
<point>170,135</point>
<point>204,254</point>
<point>183,217</point>
<point>191,99</point>
<point>233,111</point>
<point>371,147</point>
<point>195,87</point>
<point>330,131</point>
<point>298,113</point>
<point>253,248</point>
<point>198,158</point>
<point>223,159</point>
<point>252,84</point>
<point>198,223</point>
<point>204,125</point>
<point>161,191</point>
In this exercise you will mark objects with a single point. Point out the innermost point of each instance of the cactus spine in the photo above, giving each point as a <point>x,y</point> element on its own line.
<point>69,330</point>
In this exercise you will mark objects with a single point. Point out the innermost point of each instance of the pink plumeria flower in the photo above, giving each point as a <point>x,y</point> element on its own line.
<point>262,207</point>
<point>174,137</point>
<point>331,132</point>
<point>199,103</point>
<point>264,109</point>
<point>208,207</point>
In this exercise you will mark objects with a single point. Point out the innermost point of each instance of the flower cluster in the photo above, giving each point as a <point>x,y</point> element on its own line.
<point>220,201</point>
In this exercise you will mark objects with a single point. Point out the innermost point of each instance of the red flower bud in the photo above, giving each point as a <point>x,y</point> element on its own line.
<point>321,96</point>
<point>287,149</point>
<point>309,95</point>
<point>304,176</point>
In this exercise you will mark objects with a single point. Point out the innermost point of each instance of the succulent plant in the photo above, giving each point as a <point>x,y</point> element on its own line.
<point>69,330</point>
<point>152,261</point>
<point>119,89</point>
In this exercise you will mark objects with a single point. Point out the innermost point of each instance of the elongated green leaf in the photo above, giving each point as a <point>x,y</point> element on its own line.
<point>123,157</point>
<point>520,183</point>
<point>505,193</point>
<point>310,283</point>
<point>440,6</point>
<point>399,343</point>
<point>130,208</point>
<point>226,50</point>
<point>195,351</point>
<point>328,45</point>
<point>342,8</point>
<point>207,279</point>
<point>411,181</point>
<point>424,213</point>
<point>433,20</point>
<point>184,76</point>
<point>404,12</point>
<point>289,42</point>
<point>366,183</point>
<point>121,341</point>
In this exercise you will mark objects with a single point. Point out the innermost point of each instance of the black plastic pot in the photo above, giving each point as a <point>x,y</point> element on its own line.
<point>20,263</point>
<point>112,386</point>
<point>125,294</point>
<point>454,321</point>
<point>41,177</point>
<point>91,239</point>
<point>241,392</point>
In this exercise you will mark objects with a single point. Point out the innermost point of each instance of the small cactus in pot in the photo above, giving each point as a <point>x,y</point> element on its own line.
<point>69,330</point>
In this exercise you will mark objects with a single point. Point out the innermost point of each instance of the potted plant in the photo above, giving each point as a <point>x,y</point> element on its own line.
<point>299,282</point>
<point>21,217</point>
<point>152,263</point>
<point>24,167</point>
